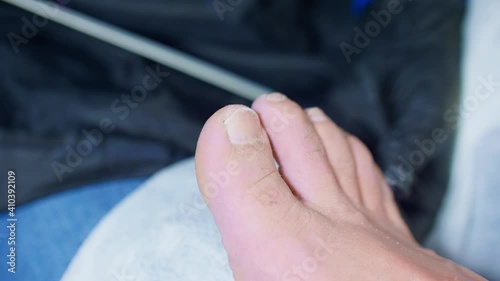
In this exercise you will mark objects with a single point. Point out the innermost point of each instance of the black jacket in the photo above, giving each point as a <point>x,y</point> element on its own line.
<point>389,85</point>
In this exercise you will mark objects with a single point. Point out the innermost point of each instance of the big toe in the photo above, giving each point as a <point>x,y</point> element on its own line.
<point>238,177</point>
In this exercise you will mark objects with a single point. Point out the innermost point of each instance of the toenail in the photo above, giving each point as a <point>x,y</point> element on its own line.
<point>316,115</point>
<point>243,126</point>
<point>276,97</point>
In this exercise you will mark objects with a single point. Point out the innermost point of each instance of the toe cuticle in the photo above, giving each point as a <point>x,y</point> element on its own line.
<point>275,97</point>
<point>243,126</point>
<point>316,115</point>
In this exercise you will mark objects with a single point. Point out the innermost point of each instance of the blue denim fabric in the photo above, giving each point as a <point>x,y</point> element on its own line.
<point>50,231</point>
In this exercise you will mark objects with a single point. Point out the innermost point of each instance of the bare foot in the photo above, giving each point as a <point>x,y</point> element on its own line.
<point>325,214</point>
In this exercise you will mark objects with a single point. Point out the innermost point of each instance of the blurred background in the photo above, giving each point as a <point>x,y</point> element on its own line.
<point>84,122</point>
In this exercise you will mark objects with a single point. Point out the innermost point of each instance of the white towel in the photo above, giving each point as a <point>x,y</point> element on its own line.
<point>469,223</point>
<point>163,231</point>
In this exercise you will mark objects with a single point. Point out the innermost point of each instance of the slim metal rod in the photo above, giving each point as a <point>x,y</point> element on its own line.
<point>145,47</point>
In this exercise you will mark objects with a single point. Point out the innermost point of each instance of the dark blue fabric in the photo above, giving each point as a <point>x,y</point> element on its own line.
<point>389,92</point>
<point>50,231</point>
<point>358,7</point>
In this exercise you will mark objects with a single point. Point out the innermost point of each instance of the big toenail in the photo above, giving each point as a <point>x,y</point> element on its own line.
<point>276,97</point>
<point>316,115</point>
<point>243,126</point>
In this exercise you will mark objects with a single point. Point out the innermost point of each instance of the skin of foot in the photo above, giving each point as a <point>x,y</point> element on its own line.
<point>297,198</point>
